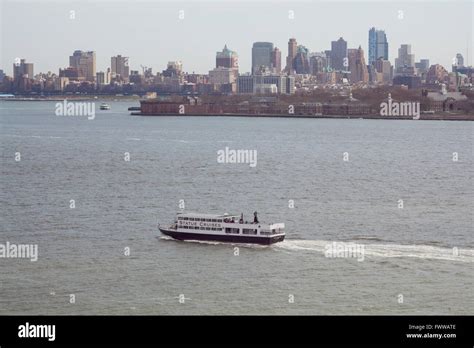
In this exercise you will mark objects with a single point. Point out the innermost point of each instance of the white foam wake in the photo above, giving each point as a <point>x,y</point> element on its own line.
<point>376,250</point>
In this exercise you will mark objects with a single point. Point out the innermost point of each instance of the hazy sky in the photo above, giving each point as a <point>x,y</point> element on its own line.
<point>151,33</point>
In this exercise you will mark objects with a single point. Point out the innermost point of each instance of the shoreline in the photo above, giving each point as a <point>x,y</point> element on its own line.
<point>423,117</point>
<point>75,98</point>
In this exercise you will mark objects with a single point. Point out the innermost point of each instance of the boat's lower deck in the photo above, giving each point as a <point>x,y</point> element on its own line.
<point>223,237</point>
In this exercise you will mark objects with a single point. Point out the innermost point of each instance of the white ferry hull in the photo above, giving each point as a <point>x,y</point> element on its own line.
<point>223,237</point>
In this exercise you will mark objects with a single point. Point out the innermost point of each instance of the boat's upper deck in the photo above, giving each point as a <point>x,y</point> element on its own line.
<point>226,223</point>
<point>206,217</point>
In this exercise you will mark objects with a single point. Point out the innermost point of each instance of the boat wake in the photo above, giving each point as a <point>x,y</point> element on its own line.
<point>371,250</point>
<point>376,250</point>
<point>32,136</point>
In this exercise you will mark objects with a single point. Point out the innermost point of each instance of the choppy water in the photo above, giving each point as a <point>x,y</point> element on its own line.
<point>407,251</point>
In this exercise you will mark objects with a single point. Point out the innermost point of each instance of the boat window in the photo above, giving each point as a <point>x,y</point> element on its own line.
<point>249,231</point>
<point>231,230</point>
<point>191,219</point>
<point>185,218</point>
<point>196,227</point>
<point>213,220</point>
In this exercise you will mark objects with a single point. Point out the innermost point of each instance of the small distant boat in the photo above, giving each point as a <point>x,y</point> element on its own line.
<point>224,228</point>
<point>2,96</point>
<point>104,106</point>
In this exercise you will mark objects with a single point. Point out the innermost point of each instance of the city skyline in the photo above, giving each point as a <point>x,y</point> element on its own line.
<point>239,39</point>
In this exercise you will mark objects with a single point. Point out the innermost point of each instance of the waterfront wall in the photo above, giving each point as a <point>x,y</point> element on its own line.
<point>274,109</point>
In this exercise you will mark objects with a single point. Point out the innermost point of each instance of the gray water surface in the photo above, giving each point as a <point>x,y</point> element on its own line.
<point>424,251</point>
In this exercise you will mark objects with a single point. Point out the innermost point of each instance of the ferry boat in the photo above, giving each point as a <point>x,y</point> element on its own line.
<point>223,228</point>
<point>104,106</point>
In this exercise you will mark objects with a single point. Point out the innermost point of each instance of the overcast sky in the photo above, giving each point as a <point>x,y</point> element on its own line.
<point>151,32</point>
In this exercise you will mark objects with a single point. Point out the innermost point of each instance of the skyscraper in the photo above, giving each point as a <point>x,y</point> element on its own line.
<point>378,45</point>
<point>292,45</point>
<point>261,56</point>
<point>21,69</point>
<point>276,60</point>
<point>85,64</point>
<point>119,66</point>
<point>318,62</point>
<point>459,60</point>
<point>227,64</point>
<point>357,66</point>
<point>227,59</point>
<point>405,61</point>
<point>301,61</point>
<point>338,54</point>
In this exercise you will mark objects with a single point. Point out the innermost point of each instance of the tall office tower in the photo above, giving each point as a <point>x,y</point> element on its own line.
<point>276,60</point>
<point>328,59</point>
<point>22,68</point>
<point>338,54</point>
<point>119,66</point>
<point>261,56</point>
<point>357,66</point>
<point>227,59</point>
<point>292,46</point>
<point>318,62</point>
<point>459,60</point>
<point>85,63</point>
<point>378,45</point>
<point>405,61</point>
<point>301,61</point>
